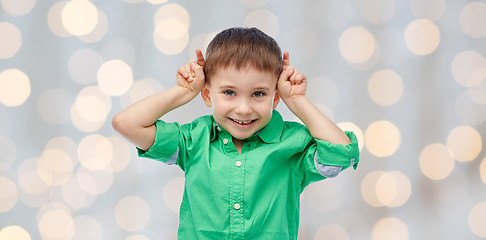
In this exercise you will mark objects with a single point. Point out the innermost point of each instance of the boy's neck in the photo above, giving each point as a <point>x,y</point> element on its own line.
<point>238,144</point>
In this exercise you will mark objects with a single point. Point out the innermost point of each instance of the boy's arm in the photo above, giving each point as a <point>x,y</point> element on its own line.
<point>137,122</point>
<point>291,87</point>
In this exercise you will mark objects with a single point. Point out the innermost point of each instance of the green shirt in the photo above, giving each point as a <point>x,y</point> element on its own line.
<point>252,195</point>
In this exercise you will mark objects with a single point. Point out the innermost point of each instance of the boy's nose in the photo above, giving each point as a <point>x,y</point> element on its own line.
<point>243,107</point>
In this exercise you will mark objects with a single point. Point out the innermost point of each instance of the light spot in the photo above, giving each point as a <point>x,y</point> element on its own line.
<point>377,11</point>
<point>54,106</point>
<point>155,2</point>
<point>85,122</point>
<point>121,153</point>
<point>334,14</point>
<point>18,7</point>
<point>477,89</point>
<point>14,232</point>
<point>115,77</point>
<point>430,9</point>
<point>465,65</point>
<point>99,31</point>
<point>385,87</point>
<point>436,161</point>
<point>173,192</point>
<point>95,152</point>
<point>482,170</point>
<point>8,195</point>
<point>132,213</point>
<point>172,11</point>
<point>264,20</point>
<point>11,40</point>
<point>55,167</point>
<point>8,153</point>
<point>171,36</point>
<point>349,126</point>
<point>95,182</point>
<point>473,19</point>
<point>368,188</point>
<point>54,19</point>
<point>79,17</point>
<point>477,218</point>
<point>382,138</point>
<point>141,89</point>
<point>56,224</point>
<point>14,87</point>
<point>465,143</point>
<point>390,228</point>
<point>356,44</point>
<point>393,189</point>
<point>87,227</point>
<point>32,183</point>
<point>331,231</point>
<point>137,237</point>
<point>422,37</point>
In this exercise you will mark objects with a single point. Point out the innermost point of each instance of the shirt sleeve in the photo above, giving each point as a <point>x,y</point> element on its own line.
<point>325,160</point>
<point>166,143</point>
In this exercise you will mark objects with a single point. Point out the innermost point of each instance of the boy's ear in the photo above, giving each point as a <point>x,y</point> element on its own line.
<point>276,100</point>
<point>206,96</point>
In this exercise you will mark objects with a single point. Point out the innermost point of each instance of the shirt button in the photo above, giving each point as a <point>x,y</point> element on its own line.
<point>225,141</point>
<point>237,206</point>
<point>238,163</point>
<point>218,128</point>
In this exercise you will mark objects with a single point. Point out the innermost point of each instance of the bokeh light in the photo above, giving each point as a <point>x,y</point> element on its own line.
<point>79,17</point>
<point>54,19</point>
<point>14,232</point>
<point>385,87</point>
<point>422,37</point>
<point>99,30</point>
<point>356,44</point>
<point>90,109</point>
<point>18,7</point>
<point>349,126</point>
<point>390,228</point>
<point>436,161</point>
<point>465,143</point>
<point>95,152</point>
<point>56,224</point>
<point>14,87</point>
<point>482,170</point>
<point>115,77</point>
<point>132,213</point>
<point>331,231</point>
<point>393,189</point>
<point>473,19</point>
<point>465,64</point>
<point>87,227</point>
<point>263,20</point>
<point>382,138</point>
<point>8,195</point>
<point>477,218</point>
<point>171,32</point>
<point>8,153</point>
<point>11,40</point>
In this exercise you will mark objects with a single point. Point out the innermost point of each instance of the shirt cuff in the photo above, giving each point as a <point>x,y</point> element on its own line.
<point>165,144</point>
<point>338,154</point>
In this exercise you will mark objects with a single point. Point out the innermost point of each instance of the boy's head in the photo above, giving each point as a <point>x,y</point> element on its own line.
<point>241,48</point>
<point>241,69</point>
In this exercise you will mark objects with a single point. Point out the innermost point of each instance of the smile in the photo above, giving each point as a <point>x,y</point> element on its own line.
<point>247,122</point>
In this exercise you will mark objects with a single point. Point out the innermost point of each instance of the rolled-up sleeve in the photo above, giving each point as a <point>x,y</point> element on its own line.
<point>166,143</point>
<point>337,154</point>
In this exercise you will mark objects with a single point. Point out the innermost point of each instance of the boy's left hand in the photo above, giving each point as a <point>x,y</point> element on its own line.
<point>291,83</point>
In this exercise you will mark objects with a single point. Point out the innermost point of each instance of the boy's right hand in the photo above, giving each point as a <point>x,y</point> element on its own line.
<point>191,76</point>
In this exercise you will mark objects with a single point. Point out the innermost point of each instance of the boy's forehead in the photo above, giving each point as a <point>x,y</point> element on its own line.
<point>232,72</point>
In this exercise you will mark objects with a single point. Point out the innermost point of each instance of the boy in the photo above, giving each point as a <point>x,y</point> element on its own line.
<point>245,168</point>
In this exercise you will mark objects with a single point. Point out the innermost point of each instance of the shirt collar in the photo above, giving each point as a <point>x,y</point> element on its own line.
<point>271,133</point>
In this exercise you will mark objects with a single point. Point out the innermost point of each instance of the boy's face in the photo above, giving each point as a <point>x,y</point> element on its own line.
<point>242,100</point>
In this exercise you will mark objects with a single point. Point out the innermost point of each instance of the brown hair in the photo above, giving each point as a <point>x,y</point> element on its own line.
<point>242,47</point>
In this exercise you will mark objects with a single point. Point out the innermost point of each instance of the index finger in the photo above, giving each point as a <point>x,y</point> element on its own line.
<point>286,61</point>
<point>200,57</point>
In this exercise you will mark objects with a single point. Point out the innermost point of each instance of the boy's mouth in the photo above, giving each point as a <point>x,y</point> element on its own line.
<point>243,122</point>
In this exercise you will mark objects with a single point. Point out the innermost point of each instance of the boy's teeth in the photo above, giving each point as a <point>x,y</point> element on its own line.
<point>241,122</point>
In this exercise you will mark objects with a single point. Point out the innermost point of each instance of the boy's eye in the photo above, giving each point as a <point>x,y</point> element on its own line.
<point>229,92</point>
<point>258,94</point>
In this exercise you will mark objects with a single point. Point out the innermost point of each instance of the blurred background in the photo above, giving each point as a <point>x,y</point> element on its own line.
<point>408,77</point>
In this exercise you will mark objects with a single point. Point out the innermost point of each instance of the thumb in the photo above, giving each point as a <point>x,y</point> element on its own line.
<point>285,75</point>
